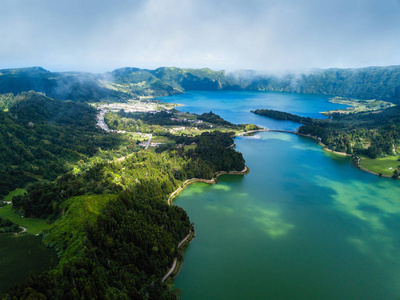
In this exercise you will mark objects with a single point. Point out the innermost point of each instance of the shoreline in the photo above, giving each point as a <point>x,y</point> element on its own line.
<point>177,263</point>
<point>214,180</point>
<point>356,163</point>
<point>355,160</point>
<point>175,268</point>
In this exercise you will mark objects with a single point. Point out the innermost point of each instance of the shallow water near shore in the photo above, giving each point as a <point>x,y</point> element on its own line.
<point>303,224</point>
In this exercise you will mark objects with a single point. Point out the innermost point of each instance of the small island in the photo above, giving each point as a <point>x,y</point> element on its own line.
<point>280,115</point>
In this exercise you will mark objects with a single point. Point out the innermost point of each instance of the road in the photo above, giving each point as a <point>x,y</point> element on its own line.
<point>148,143</point>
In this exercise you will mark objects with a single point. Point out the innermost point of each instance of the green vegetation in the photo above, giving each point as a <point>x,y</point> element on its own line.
<point>106,200</point>
<point>13,193</point>
<point>124,253</point>
<point>279,115</point>
<point>81,87</point>
<point>111,214</point>
<point>380,83</point>
<point>32,225</point>
<point>67,235</point>
<point>41,138</point>
<point>215,119</point>
<point>357,106</point>
<point>6,101</point>
<point>8,226</point>
<point>21,255</point>
<point>372,135</point>
<point>383,165</point>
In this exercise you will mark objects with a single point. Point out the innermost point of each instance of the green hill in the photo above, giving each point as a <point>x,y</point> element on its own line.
<point>39,135</point>
<point>82,87</point>
<point>365,83</point>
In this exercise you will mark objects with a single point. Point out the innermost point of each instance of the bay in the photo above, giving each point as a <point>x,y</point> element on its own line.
<point>303,224</point>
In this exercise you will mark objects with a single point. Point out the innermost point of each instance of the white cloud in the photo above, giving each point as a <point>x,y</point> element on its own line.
<point>266,35</point>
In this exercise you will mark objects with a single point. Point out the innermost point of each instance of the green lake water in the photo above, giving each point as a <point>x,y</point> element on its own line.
<point>303,224</point>
<point>22,255</point>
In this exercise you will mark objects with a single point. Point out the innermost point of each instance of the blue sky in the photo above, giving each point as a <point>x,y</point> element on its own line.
<point>269,35</point>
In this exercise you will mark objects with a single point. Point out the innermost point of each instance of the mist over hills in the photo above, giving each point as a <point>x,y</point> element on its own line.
<point>127,83</point>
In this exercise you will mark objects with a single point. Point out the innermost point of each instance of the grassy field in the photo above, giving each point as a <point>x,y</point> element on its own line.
<point>33,225</point>
<point>384,165</point>
<point>187,147</point>
<point>67,233</point>
<point>14,193</point>
<point>358,105</point>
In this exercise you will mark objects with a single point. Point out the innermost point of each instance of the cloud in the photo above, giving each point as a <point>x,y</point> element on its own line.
<point>267,35</point>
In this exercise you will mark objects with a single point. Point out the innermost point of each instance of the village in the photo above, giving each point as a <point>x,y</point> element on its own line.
<point>143,107</point>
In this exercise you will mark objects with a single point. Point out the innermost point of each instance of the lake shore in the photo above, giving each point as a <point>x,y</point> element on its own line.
<point>356,160</point>
<point>174,270</point>
<point>214,180</point>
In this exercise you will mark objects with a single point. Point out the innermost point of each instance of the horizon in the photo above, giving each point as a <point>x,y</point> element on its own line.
<point>258,72</point>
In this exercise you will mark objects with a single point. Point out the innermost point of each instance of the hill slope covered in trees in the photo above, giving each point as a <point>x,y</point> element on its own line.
<point>364,83</point>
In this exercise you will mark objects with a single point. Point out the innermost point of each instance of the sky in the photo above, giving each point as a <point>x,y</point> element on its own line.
<point>265,35</point>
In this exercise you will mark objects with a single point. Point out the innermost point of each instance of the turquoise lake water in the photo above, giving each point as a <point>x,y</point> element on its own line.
<point>303,224</point>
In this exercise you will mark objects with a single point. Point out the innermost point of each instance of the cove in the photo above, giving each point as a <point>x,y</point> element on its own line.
<point>303,224</point>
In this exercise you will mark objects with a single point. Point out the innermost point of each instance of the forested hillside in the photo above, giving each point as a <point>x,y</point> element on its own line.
<point>374,134</point>
<point>119,246</point>
<point>365,83</point>
<point>106,200</point>
<point>42,138</point>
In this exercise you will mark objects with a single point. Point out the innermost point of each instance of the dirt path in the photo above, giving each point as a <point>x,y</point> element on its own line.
<point>176,259</point>
<point>21,232</point>
<point>184,240</point>
<point>170,270</point>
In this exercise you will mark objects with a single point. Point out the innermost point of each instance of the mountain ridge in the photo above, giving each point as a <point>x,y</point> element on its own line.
<point>381,83</point>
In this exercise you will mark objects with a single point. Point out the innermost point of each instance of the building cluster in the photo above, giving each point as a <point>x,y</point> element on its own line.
<point>153,145</point>
<point>176,129</point>
<point>186,120</point>
<point>100,119</point>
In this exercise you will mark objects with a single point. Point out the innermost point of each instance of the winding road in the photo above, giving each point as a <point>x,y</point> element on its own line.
<point>148,142</point>
<point>176,259</point>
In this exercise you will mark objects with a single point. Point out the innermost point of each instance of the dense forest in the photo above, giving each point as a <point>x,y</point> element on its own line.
<point>76,86</point>
<point>366,83</point>
<point>112,247</point>
<point>41,138</point>
<point>124,249</point>
<point>112,227</point>
<point>374,134</point>
<point>7,226</point>
<point>212,154</point>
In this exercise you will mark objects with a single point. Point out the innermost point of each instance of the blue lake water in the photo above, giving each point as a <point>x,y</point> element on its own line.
<point>235,106</point>
<point>303,224</point>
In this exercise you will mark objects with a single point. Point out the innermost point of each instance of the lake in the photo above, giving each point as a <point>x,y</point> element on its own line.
<point>303,224</point>
<point>235,106</point>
